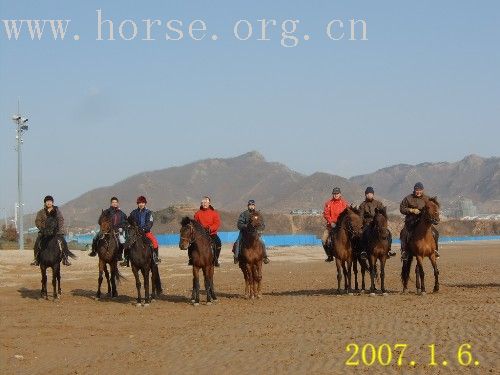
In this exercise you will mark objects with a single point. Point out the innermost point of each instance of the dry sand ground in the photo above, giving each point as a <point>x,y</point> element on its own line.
<point>299,326</point>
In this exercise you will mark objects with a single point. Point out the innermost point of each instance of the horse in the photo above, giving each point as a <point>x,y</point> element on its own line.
<point>376,241</point>
<point>251,256</point>
<point>342,242</point>
<point>51,253</point>
<point>195,238</point>
<point>421,245</point>
<point>108,249</point>
<point>141,259</point>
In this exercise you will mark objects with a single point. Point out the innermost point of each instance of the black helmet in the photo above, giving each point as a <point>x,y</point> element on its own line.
<point>48,198</point>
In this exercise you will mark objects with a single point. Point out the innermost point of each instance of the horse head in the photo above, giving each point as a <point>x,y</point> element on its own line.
<point>105,222</point>
<point>255,221</point>
<point>353,221</point>
<point>430,213</point>
<point>186,233</point>
<point>380,222</point>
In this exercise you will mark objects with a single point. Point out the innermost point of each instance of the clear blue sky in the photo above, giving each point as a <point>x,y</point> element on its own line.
<point>425,86</point>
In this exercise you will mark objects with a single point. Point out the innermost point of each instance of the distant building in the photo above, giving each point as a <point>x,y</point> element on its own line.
<point>464,207</point>
<point>305,212</point>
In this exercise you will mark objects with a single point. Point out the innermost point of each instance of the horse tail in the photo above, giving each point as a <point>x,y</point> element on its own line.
<point>405,272</point>
<point>156,277</point>
<point>118,275</point>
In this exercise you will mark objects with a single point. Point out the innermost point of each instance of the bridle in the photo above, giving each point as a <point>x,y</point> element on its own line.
<point>191,238</point>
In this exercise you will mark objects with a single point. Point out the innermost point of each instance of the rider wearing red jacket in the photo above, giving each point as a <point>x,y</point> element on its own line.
<point>209,219</point>
<point>333,209</point>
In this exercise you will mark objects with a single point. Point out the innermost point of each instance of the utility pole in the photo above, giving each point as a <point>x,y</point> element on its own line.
<point>20,122</point>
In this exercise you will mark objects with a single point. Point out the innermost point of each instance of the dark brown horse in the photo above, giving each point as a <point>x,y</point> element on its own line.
<point>195,238</point>
<point>108,251</point>
<point>251,256</point>
<point>342,241</point>
<point>422,245</point>
<point>53,248</point>
<point>141,259</point>
<point>376,242</point>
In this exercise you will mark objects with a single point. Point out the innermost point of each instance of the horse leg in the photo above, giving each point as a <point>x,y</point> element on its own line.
<point>106,274</point>
<point>436,272</point>
<point>206,281</point>
<point>363,271</point>
<point>355,267</point>
<point>43,293</point>
<point>212,290</point>
<point>339,273</point>
<point>420,262</point>
<point>114,270</point>
<point>349,279</point>
<point>247,284</point>
<point>99,280</point>
<point>372,261</point>
<point>258,269</point>
<point>58,275</point>
<point>137,284</point>
<point>382,274</point>
<point>153,284</point>
<point>195,297</point>
<point>145,275</point>
<point>250,280</point>
<point>54,282</point>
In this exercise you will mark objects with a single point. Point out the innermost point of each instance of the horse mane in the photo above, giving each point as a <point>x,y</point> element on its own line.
<point>343,214</point>
<point>435,201</point>
<point>197,226</point>
<point>382,211</point>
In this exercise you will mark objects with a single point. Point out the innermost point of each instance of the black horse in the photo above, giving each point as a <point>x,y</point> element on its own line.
<point>141,259</point>
<point>198,241</point>
<point>53,248</point>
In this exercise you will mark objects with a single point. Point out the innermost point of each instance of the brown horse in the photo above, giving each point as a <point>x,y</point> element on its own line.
<point>195,238</point>
<point>342,242</point>
<point>251,256</point>
<point>108,251</point>
<point>376,241</point>
<point>141,259</point>
<point>421,245</point>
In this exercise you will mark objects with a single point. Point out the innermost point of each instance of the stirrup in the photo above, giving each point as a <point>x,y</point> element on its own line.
<point>363,255</point>
<point>266,260</point>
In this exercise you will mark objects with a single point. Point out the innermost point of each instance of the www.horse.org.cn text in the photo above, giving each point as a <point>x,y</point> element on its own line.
<point>287,33</point>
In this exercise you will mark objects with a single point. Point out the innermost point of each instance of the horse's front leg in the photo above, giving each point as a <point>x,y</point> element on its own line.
<point>195,296</point>
<point>114,271</point>
<point>420,264</point>
<point>363,271</point>
<point>247,283</point>
<point>339,273</point>
<point>355,267</point>
<point>58,275</point>
<point>436,272</point>
<point>258,268</point>
<point>349,276</point>
<point>372,261</point>
<point>206,280</point>
<point>43,293</point>
<point>137,284</point>
<point>99,279</point>
<point>106,274</point>
<point>212,289</point>
<point>145,275</point>
<point>54,283</point>
<point>382,274</point>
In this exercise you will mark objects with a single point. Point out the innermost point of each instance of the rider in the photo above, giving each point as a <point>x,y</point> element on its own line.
<point>41,217</point>
<point>333,208</point>
<point>144,219</point>
<point>119,220</point>
<point>243,221</point>
<point>367,212</point>
<point>209,219</point>
<point>411,206</point>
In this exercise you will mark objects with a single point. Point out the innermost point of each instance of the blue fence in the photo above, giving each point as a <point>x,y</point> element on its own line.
<point>275,239</point>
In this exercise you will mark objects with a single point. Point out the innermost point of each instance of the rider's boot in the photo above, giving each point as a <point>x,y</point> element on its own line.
<point>93,253</point>
<point>156,258</point>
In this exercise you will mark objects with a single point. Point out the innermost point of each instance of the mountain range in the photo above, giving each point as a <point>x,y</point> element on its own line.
<point>230,182</point>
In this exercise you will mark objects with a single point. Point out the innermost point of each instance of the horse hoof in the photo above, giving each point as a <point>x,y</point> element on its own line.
<point>146,304</point>
<point>193,301</point>
<point>372,294</point>
<point>196,304</point>
<point>385,294</point>
<point>259,296</point>
<point>423,293</point>
<point>209,303</point>
<point>350,294</point>
<point>138,304</point>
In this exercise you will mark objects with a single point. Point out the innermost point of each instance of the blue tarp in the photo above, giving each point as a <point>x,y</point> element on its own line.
<point>275,239</point>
